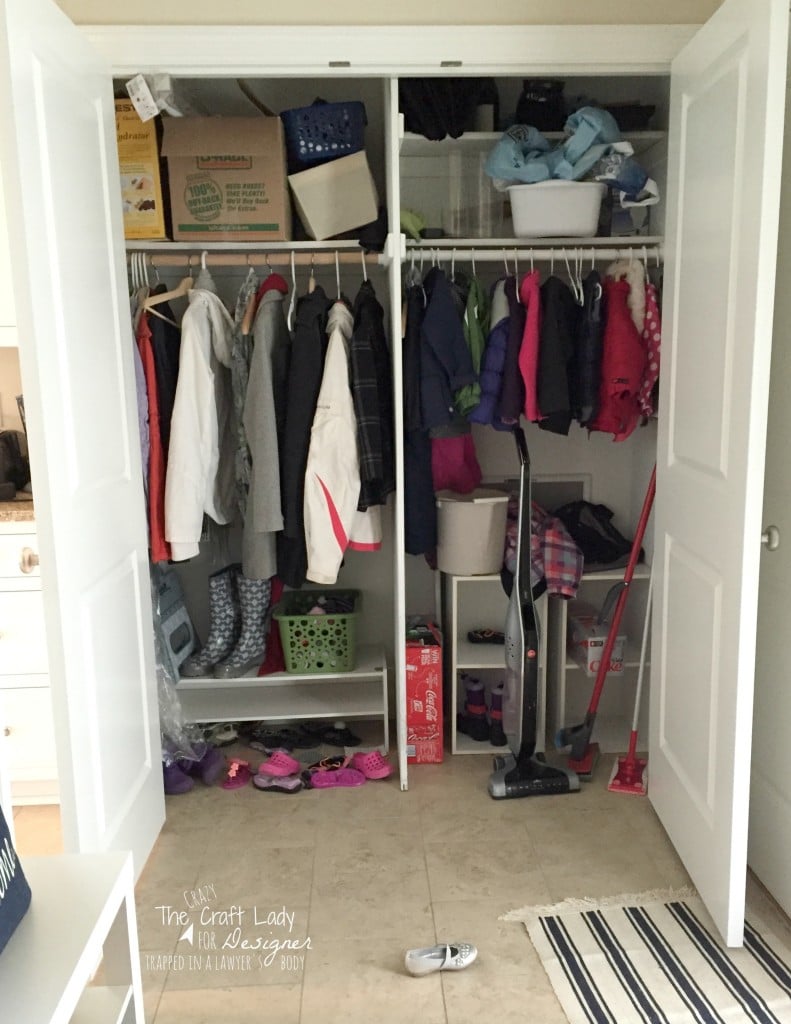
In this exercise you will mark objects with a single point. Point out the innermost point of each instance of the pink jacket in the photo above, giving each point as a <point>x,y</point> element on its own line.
<point>529,296</point>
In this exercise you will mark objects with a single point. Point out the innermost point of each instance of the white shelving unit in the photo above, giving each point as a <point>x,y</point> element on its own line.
<point>569,688</point>
<point>286,696</point>
<point>82,909</point>
<point>417,145</point>
<point>476,602</point>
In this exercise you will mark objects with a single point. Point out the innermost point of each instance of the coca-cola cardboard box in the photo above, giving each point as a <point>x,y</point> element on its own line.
<point>424,693</point>
<point>587,637</point>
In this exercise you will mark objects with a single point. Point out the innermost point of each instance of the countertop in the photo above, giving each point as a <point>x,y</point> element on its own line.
<point>19,510</point>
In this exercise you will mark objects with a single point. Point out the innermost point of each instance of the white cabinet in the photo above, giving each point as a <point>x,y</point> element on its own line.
<point>569,687</point>
<point>82,909</point>
<point>479,602</point>
<point>24,672</point>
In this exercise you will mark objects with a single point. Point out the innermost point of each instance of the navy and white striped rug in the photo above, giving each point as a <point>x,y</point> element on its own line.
<point>635,961</point>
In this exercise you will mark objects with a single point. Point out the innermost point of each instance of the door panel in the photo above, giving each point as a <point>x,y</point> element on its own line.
<point>61,171</point>
<point>726,126</point>
<point>769,850</point>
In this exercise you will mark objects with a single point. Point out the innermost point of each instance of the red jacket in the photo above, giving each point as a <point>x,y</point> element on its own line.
<point>623,364</point>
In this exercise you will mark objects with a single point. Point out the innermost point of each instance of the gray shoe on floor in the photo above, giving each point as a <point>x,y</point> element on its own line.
<point>444,957</point>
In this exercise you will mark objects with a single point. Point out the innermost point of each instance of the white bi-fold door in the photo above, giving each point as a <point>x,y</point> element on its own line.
<point>60,168</point>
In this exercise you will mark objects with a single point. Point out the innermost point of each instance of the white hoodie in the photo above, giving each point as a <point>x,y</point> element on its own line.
<point>200,472</point>
<point>332,476</point>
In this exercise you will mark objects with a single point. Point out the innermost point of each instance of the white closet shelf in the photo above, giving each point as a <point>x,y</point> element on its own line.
<point>417,145</point>
<point>641,572</point>
<point>467,745</point>
<point>630,243</point>
<point>345,245</point>
<point>631,659</point>
<point>287,696</point>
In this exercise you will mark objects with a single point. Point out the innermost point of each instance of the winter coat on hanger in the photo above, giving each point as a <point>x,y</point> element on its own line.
<point>371,382</point>
<point>304,381</point>
<point>445,363</point>
<point>491,376</point>
<point>476,325</point>
<point>241,350</point>
<point>200,475</point>
<point>559,316</point>
<point>530,297</point>
<point>264,518</point>
<point>332,476</point>
<point>420,511</point>
<point>157,457</point>
<point>587,361</point>
<point>623,364</point>
<point>512,392</point>
<point>165,344</point>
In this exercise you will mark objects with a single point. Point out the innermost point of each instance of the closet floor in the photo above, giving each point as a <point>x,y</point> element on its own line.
<point>368,873</point>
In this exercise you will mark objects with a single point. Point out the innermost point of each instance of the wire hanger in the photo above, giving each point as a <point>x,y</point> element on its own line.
<point>292,301</point>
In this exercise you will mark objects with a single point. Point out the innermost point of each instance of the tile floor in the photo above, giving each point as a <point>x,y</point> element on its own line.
<point>364,874</point>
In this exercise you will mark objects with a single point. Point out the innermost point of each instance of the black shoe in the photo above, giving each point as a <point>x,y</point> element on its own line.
<point>497,734</point>
<point>476,728</point>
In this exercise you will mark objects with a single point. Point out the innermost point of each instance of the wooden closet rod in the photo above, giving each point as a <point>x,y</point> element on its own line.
<point>270,259</point>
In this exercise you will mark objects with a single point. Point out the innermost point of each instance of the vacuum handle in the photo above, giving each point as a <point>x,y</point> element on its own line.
<point>521,447</point>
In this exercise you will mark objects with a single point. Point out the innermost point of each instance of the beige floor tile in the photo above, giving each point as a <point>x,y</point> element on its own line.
<point>371,874</point>
<point>152,993</point>
<point>266,874</point>
<point>344,838</point>
<point>273,1004</point>
<point>623,870</point>
<point>38,830</point>
<point>364,981</point>
<point>471,871</point>
<point>458,823</point>
<point>472,996</point>
<point>407,922</point>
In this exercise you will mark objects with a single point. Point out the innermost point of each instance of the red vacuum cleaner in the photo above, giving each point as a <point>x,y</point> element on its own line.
<point>584,754</point>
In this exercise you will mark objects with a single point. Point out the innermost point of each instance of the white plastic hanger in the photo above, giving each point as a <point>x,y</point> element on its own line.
<point>338,275</point>
<point>293,300</point>
<point>365,268</point>
<point>312,279</point>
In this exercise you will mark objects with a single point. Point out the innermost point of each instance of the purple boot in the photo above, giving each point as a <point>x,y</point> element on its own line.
<point>208,768</point>
<point>175,780</point>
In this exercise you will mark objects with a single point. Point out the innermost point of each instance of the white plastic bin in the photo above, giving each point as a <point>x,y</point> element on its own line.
<point>558,209</point>
<point>471,531</point>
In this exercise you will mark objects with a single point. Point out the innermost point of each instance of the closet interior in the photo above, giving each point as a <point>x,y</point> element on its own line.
<point>474,236</point>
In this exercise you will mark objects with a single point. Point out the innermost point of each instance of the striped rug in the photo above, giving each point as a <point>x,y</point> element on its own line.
<point>656,957</point>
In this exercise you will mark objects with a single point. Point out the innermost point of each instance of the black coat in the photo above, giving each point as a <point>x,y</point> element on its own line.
<point>304,381</point>
<point>559,320</point>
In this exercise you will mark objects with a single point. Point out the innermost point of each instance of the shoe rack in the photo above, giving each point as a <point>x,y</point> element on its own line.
<point>479,602</point>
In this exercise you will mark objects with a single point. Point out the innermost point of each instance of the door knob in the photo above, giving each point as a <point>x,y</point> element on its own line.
<point>28,560</point>
<point>770,538</point>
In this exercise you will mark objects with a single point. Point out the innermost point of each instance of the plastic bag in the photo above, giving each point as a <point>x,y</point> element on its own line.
<point>180,741</point>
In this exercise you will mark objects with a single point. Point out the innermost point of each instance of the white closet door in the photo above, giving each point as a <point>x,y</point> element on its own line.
<point>727,110</point>
<point>61,173</point>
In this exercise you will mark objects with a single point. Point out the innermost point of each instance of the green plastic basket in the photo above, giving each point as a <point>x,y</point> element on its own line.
<point>317,643</point>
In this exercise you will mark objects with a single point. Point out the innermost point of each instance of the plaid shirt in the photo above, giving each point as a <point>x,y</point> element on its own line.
<point>554,555</point>
<point>371,391</point>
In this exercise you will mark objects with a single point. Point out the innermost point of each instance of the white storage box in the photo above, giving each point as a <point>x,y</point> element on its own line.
<point>335,197</point>
<point>471,531</point>
<point>556,209</point>
<point>587,637</point>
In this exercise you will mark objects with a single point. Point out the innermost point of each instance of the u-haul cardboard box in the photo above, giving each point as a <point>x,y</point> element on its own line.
<point>141,184</point>
<point>424,696</point>
<point>227,178</point>
<point>587,637</point>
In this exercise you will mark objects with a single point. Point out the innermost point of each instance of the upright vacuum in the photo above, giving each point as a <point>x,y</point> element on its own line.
<point>523,772</point>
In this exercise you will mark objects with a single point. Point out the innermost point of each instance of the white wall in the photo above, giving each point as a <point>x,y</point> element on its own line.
<point>406,12</point>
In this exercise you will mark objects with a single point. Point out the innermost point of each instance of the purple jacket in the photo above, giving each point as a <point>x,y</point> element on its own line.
<point>493,362</point>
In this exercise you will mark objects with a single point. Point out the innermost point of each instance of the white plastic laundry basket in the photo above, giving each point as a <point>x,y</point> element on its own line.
<point>471,531</point>
<point>556,208</point>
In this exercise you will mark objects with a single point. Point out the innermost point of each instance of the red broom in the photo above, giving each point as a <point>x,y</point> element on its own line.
<point>628,773</point>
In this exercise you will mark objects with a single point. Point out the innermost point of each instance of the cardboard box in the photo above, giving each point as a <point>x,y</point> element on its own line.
<point>424,696</point>
<point>227,179</point>
<point>141,183</point>
<point>335,197</point>
<point>586,639</point>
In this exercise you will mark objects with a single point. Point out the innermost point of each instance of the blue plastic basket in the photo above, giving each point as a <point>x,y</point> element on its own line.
<point>322,132</point>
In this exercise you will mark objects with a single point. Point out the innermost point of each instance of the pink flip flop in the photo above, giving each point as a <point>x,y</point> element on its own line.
<point>239,774</point>
<point>330,777</point>
<point>372,765</point>
<point>280,763</point>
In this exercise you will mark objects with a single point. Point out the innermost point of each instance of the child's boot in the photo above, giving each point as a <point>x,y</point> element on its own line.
<point>473,720</point>
<point>496,732</point>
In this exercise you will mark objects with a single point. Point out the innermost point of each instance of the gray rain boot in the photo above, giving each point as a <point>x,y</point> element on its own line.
<point>250,649</point>
<point>225,623</point>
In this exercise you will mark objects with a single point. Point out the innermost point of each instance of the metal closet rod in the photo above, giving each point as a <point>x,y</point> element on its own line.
<point>269,259</point>
<point>442,255</point>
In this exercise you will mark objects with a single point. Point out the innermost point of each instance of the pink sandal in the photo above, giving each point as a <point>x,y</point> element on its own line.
<point>372,765</point>
<point>239,774</point>
<point>279,763</point>
<point>331,772</point>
